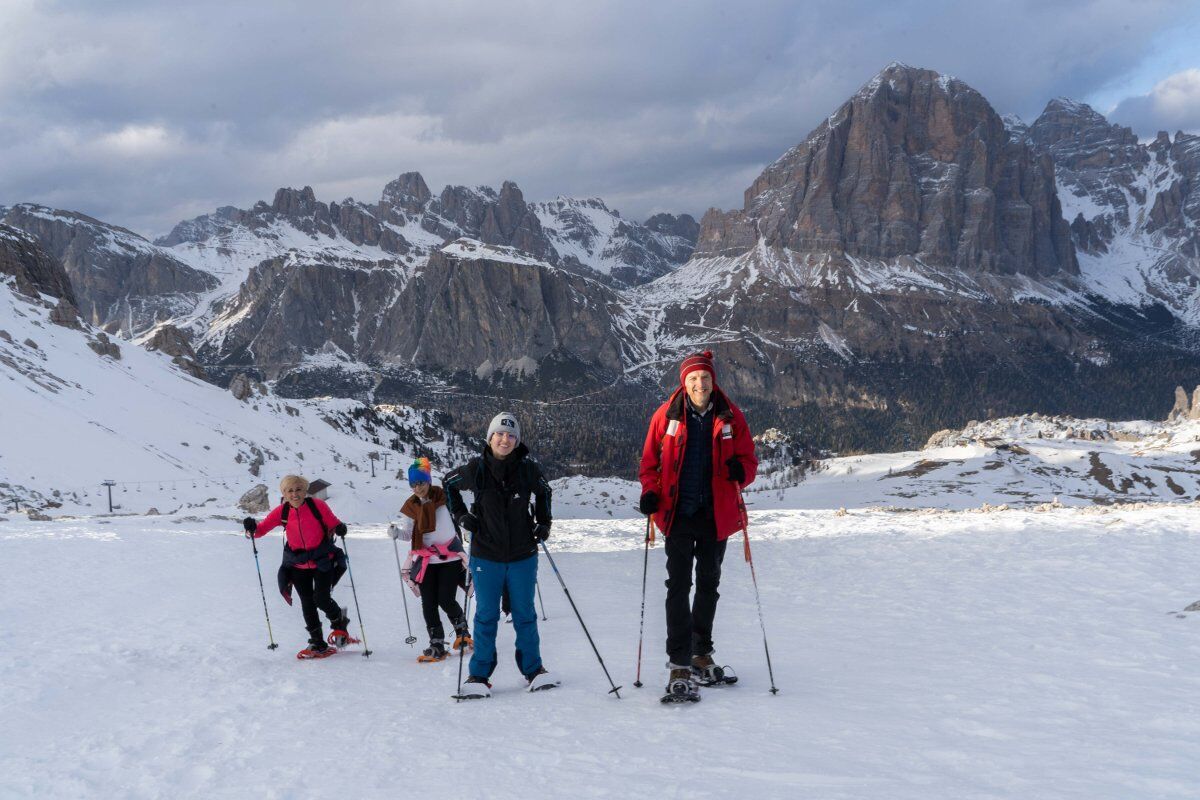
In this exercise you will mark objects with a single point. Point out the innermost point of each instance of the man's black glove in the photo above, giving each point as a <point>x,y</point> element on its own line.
<point>250,525</point>
<point>340,529</point>
<point>469,521</point>
<point>649,503</point>
<point>541,532</point>
<point>736,471</point>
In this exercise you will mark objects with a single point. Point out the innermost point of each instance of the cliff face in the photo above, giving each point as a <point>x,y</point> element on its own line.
<point>33,271</point>
<point>117,276</point>
<point>914,165</point>
<point>473,312</point>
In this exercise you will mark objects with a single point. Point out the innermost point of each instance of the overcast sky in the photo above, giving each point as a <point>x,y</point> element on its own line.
<point>143,113</point>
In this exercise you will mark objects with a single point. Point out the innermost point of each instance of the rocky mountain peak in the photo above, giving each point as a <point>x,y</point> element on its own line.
<point>1076,134</point>
<point>408,192</point>
<point>916,165</point>
<point>296,202</point>
<point>684,226</point>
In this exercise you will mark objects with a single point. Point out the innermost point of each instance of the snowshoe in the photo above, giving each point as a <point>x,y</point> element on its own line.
<point>476,688</point>
<point>708,673</point>
<point>541,680</point>
<point>435,652</point>
<point>341,638</point>
<point>312,651</point>
<point>462,640</point>
<point>681,688</point>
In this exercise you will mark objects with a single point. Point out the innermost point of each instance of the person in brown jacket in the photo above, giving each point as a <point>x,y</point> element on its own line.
<point>435,566</point>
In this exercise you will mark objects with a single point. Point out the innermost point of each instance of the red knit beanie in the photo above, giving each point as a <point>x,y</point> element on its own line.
<point>699,361</point>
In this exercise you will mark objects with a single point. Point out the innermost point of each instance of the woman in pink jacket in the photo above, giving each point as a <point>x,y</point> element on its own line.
<point>312,563</point>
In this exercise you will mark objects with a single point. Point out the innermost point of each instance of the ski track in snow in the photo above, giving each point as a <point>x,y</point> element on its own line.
<point>935,655</point>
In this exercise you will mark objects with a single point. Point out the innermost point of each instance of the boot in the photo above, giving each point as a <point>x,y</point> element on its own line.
<point>540,680</point>
<point>340,626</point>
<point>681,686</point>
<point>462,635</point>
<point>316,646</point>
<point>708,673</point>
<point>435,652</point>
<point>476,687</point>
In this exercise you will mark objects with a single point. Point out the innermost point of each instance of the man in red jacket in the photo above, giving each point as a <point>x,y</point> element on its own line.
<point>697,457</point>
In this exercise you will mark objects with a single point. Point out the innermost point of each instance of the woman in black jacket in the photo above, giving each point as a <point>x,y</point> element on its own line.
<point>508,518</point>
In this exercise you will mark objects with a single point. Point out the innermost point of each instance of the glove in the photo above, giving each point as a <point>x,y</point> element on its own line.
<point>649,503</point>
<point>736,471</point>
<point>340,529</point>
<point>250,525</point>
<point>469,521</point>
<point>393,531</point>
<point>541,532</point>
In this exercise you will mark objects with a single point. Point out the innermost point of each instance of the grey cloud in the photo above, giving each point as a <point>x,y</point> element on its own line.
<point>1172,105</point>
<point>141,113</point>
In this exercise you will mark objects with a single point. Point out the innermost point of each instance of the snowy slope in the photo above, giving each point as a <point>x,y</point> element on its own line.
<point>587,232</point>
<point>73,418</point>
<point>919,657</point>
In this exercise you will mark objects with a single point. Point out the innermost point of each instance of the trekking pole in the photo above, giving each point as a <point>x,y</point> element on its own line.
<point>538,586</point>
<point>350,571</point>
<point>408,640</point>
<point>615,689</point>
<point>261,591</point>
<point>757,599</point>
<point>642,624</point>
<point>463,650</point>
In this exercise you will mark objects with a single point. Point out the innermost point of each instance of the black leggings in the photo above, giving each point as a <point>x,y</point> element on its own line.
<point>439,588</point>
<point>315,589</point>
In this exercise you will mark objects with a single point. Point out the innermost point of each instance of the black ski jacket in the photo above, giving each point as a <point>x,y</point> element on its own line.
<point>502,506</point>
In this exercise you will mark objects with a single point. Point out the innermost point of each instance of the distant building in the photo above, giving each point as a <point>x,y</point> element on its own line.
<point>319,489</point>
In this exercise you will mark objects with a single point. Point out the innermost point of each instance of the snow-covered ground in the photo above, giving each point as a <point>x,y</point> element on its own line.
<point>1017,654</point>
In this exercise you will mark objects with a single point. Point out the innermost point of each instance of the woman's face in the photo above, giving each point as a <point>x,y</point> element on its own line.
<point>421,490</point>
<point>502,443</point>
<point>295,495</point>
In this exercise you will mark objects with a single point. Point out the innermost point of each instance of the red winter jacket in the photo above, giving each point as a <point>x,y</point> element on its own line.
<point>303,530</point>
<point>662,459</point>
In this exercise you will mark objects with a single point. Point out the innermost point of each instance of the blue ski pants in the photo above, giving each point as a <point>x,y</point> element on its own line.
<point>491,578</point>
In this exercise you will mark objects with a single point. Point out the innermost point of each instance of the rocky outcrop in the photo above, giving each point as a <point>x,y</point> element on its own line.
<point>115,274</point>
<point>725,233</point>
<point>65,314</point>
<point>34,272</point>
<point>509,221</point>
<point>682,227</point>
<point>255,501</point>
<point>1182,406</point>
<point>173,342</point>
<point>915,165</point>
<point>408,193</point>
<point>1185,408</point>
<point>241,386</point>
<point>103,346</point>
